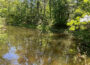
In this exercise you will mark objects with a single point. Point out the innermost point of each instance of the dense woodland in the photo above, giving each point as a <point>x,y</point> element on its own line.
<point>44,13</point>
<point>51,15</point>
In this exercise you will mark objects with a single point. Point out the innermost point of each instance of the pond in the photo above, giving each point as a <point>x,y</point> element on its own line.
<point>22,46</point>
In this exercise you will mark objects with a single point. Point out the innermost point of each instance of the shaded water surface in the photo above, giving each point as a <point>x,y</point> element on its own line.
<point>21,46</point>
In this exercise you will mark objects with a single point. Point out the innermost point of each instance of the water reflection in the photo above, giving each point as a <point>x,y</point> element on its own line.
<point>11,56</point>
<point>34,48</point>
<point>30,47</point>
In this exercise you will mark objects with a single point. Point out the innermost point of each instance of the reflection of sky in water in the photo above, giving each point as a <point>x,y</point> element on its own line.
<point>11,56</point>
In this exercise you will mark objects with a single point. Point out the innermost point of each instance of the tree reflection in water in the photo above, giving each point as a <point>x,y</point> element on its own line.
<point>28,47</point>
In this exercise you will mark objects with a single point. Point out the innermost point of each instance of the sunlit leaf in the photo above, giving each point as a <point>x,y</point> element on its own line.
<point>85,1</point>
<point>72,28</point>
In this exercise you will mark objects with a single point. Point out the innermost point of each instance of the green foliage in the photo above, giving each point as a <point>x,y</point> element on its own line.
<point>31,12</point>
<point>3,35</point>
<point>39,14</point>
<point>85,1</point>
<point>76,24</point>
<point>81,29</point>
<point>60,13</point>
<point>79,14</point>
<point>83,37</point>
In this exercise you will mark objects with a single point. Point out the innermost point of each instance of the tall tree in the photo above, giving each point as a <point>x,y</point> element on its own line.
<point>60,13</point>
<point>50,7</point>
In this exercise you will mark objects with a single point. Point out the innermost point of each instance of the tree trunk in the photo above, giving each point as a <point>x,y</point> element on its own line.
<point>50,7</point>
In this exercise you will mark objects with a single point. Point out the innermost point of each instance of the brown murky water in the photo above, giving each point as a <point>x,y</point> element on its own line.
<point>22,46</point>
